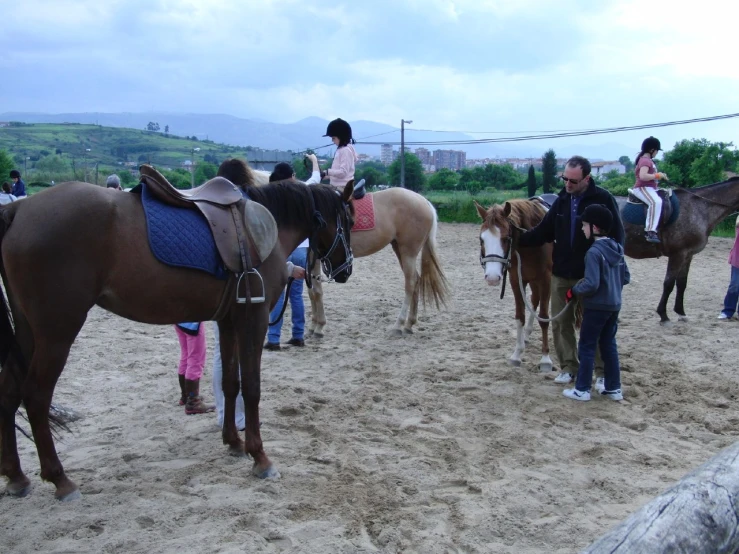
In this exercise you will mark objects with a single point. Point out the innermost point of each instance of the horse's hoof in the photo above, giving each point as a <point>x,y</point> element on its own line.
<point>514,363</point>
<point>544,368</point>
<point>267,473</point>
<point>683,318</point>
<point>666,323</point>
<point>407,331</point>
<point>237,451</point>
<point>70,496</point>
<point>317,335</point>
<point>19,490</point>
<point>310,333</point>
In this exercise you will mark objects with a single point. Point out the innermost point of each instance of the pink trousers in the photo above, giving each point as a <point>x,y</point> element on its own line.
<point>192,353</point>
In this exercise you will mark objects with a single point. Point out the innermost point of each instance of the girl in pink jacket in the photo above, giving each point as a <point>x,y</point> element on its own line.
<point>342,169</point>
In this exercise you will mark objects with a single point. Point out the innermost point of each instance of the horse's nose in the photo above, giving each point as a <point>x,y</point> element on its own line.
<point>492,279</point>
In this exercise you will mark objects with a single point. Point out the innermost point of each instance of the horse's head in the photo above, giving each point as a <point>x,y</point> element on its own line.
<point>333,220</point>
<point>495,241</point>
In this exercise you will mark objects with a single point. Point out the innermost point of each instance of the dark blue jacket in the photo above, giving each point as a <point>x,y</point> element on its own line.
<point>568,256</point>
<point>18,189</point>
<point>605,275</point>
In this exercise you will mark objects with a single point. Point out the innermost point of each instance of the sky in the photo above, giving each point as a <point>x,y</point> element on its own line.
<point>455,65</point>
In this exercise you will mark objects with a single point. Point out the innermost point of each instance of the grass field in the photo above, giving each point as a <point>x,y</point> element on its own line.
<point>459,207</point>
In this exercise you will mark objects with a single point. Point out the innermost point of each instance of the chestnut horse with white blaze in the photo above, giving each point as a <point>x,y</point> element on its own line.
<point>497,246</point>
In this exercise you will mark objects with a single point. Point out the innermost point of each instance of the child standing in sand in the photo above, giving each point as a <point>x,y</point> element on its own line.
<point>605,275</point>
<point>192,361</point>
<point>732,295</point>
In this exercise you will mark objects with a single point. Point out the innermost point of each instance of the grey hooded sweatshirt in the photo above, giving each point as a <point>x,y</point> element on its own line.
<point>605,275</point>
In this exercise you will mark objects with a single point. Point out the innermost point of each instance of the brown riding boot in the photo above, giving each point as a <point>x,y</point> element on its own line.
<point>183,392</point>
<point>195,404</point>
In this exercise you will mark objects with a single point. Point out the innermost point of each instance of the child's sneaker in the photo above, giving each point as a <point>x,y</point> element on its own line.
<point>600,384</point>
<point>613,394</point>
<point>563,378</point>
<point>582,396</point>
<point>723,316</point>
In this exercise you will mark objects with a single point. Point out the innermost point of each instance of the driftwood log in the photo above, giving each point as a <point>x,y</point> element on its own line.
<point>700,514</point>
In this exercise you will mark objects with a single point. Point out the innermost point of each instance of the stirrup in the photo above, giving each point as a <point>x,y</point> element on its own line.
<point>254,299</point>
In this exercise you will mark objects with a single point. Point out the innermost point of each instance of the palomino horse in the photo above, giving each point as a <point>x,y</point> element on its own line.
<point>497,246</point>
<point>407,221</point>
<point>62,254</point>
<point>701,209</point>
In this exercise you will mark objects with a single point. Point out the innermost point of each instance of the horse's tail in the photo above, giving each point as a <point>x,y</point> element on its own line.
<point>12,360</point>
<point>433,285</point>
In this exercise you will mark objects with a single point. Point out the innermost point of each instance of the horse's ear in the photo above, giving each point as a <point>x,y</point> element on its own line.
<point>507,209</point>
<point>482,212</point>
<point>348,190</point>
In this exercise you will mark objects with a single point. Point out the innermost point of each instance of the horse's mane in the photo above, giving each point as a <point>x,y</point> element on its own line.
<point>290,201</point>
<point>524,214</point>
<point>238,172</point>
<point>730,180</point>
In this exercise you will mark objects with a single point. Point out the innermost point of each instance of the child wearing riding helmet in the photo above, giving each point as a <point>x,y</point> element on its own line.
<point>342,168</point>
<point>645,188</point>
<point>600,292</point>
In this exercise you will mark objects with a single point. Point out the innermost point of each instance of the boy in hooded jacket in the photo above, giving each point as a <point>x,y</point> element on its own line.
<point>600,291</point>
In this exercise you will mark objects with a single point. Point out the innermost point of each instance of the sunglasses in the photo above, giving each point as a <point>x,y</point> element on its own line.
<point>568,180</point>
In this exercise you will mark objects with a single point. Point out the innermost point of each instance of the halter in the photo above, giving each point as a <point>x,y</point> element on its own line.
<point>339,239</point>
<point>505,261</point>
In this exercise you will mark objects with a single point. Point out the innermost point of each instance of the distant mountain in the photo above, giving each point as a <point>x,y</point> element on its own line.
<point>308,133</point>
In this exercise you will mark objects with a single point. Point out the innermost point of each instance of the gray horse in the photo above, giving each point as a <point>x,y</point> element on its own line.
<point>701,209</point>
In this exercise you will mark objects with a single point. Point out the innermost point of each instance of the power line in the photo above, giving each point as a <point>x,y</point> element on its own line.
<point>555,135</point>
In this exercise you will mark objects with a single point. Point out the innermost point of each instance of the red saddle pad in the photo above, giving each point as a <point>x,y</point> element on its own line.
<point>364,213</point>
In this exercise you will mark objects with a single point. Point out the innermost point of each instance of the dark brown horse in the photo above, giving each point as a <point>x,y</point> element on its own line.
<point>497,246</point>
<point>701,209</point>
<point>77,245</point>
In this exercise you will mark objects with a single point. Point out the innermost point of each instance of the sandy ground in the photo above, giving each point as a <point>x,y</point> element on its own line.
<point>428,443</point>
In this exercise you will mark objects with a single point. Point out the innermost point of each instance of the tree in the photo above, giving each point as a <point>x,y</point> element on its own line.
<point>53,165</point>
<point>6,165</point>
<point>627,163</point>
<point>126,177</point>
<point>152,126</point>
<point>372,177</point>
<point>166,129</point>
<point>414,177</point>
<point>549,170</point>
<point>444,179</point>
<point>699,162</point>
<point>205,171</point>
<point>531,182</point>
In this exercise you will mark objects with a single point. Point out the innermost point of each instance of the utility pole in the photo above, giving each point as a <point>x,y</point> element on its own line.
<point>402,151</point>
<point>192,167</point>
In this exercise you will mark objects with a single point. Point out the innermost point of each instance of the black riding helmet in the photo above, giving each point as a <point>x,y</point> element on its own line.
<point>340,129</point>
<point>649,144</point>
<point>15,174</point>
<point>600,216</point>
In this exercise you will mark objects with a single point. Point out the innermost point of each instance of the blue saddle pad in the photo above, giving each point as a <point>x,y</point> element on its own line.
<point>180,237</point>
<point>637,213</point>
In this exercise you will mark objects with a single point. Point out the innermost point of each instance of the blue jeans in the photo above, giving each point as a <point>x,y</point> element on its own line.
<point>298,257</point>
<point>598,329</point>
<point>732,295</point>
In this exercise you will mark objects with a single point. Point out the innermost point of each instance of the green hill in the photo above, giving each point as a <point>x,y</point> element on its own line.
<point>70,151</point>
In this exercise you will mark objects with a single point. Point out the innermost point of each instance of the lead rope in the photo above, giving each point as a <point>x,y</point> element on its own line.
<point>528,304</point>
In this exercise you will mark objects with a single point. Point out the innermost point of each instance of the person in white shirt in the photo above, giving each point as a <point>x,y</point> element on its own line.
<point>5,196</point>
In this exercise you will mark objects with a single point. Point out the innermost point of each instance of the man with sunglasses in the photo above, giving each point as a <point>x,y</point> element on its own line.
<point>562,226</point>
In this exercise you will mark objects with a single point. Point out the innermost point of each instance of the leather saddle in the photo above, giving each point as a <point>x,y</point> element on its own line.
<point>359,190</point>
<point>668,205</point>
<point>236,222</point>
<point>546,199</point>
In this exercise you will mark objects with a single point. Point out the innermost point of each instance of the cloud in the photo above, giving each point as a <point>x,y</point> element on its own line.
<point>447,64</point>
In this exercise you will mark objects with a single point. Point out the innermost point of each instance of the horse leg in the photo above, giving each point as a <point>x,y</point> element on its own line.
<point>317,314</point>
<point>230,385</point>
<point>405,322</point>
<point>515,359</point>
<point>250,332</point>
<point>49,357</point>
<point>674,265</point>
<point>544,293</point>
<point>10,400</point>
<point>682,283</point>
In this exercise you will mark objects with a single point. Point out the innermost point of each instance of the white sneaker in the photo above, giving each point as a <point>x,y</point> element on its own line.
<point>613,394</point>
<point>577,395</point>
<point>563,378</point>
<point>600,384</point>
<point>723,316</point>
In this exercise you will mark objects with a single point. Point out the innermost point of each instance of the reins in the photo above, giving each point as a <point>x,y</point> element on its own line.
<point>528,304</point>
<point>284,303</point>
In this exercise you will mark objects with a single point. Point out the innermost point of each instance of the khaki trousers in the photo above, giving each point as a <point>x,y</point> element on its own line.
<point>564,333</point>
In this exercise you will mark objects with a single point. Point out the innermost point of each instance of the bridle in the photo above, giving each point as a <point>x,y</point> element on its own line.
<point>505,260</point>
<point>340,241</point>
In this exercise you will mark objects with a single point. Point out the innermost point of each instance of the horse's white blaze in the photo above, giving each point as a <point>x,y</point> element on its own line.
<point>492,246</point>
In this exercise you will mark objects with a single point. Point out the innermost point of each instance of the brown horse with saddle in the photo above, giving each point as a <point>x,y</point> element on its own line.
<point>76,245</point>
